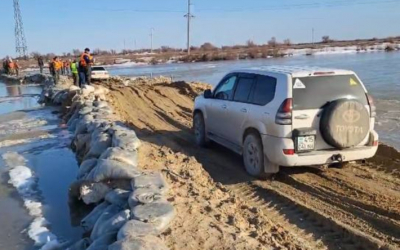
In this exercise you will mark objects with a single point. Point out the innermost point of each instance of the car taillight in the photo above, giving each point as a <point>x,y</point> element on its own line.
<point>371,105</point>
<point>284,114</point>
<point>288,151</point>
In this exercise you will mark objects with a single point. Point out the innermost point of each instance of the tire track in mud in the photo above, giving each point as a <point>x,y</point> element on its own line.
<point>316,229</point>
<point>340,209</point>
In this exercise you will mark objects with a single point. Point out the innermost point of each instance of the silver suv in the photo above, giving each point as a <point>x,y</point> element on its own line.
<point>288,116</point>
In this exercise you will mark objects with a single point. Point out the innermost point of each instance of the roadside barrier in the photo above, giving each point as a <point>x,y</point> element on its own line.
<point>131,207</point>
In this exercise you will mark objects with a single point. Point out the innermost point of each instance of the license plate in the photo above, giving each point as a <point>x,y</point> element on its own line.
<point>305,143</point>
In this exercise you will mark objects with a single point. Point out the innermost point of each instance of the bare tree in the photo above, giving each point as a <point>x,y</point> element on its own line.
<point>250,43</point>
<point>207,46</point>
<point>76,52</point>
<point>113,52</point>
<point>272,42</point>
<point>287,42</point>
<point>326,39</point>
<point>35,54</point>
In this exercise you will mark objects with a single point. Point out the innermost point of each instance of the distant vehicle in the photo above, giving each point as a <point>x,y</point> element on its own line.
<point>99,73</point>
<point>288,116</point>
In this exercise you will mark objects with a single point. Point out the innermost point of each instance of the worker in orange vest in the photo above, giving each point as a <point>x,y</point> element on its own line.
<point>11,66</point>
<point>85,67</point>
<point>57,65</point>
<point>67,65</point>
<point>16,67</point>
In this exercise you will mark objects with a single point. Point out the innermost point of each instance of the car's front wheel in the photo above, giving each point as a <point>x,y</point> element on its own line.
<point>199,129</point>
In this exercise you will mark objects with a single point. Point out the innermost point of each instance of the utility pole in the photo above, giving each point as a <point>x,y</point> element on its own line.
<point>134,42</point>
<point>124,45</point>
<point>151,37</point>
<point>312,36</point>
<point>189,17</point>
<point>20,41</point>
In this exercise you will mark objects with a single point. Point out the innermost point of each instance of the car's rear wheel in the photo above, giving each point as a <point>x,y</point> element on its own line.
<point>253,156</point>
<point>200,130</point>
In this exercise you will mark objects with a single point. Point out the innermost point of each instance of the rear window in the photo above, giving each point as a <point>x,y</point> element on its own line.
<point>315,92</point>
<point>98,69</point>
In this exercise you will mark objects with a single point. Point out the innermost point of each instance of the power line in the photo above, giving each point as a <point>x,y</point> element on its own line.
<point>312,5</point>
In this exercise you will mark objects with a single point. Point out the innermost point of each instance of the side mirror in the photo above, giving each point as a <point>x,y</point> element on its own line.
<point>208,94</point>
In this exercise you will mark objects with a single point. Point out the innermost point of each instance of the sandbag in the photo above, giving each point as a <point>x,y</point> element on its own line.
<point>145,195</point>
<point>98,145</point>
<point>100,104</point>
<point>86,167</point>
<point>74,116</point>
<point>102,242</point>
<point>112,225</point>
<point>150,180</point>
<point>105,110</point>
<point>87,90</point>
<point>126,140</point>
<point>81,127</point>
<point>135,228</point>
<point>107,214</point>
<point>159,214</point>
<point>148,242</point>
<point>93,192</point>
<point>98,125</point>
<point>80,245</point>
<point>110,169</point>
<point>72,126</point>
<point>121,155</point>
<point>80,141</point>
<point>118,197</point>
<point>88,222</point>
<point>85,111</point>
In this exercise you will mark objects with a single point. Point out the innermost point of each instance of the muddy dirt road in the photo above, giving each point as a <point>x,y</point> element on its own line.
<point>220,207</point>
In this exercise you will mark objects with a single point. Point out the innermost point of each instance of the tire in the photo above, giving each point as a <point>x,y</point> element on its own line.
<point>199,130</point>
<point>253,156</point>
<point>344,123</point>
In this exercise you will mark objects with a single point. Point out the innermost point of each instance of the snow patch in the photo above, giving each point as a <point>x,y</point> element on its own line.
<point>9,143</point>
<point>22,178</point>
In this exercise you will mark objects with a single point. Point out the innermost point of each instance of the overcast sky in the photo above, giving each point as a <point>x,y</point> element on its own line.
<point>60,26</point>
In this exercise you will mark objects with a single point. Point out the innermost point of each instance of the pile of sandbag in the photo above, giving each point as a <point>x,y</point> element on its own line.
<point>131,209</point>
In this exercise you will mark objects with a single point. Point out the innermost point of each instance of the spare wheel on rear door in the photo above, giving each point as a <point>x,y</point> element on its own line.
<point>344,123</point>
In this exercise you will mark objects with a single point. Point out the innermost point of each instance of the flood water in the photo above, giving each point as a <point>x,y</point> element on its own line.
<point>379,71</point>
<point>30,136</point>
<point>31,140</point>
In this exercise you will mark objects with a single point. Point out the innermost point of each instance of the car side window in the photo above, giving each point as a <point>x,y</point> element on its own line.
<point>264,91</point>
<point>243,89</point>
<point>225,90</point>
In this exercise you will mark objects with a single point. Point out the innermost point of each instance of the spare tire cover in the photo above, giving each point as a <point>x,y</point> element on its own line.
<point>344,123</point>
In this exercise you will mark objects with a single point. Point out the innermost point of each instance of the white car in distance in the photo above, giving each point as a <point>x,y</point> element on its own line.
<point>288,116</point>
<point>99,73</point>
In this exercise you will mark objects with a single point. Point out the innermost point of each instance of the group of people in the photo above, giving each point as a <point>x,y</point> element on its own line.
<point>10,66</point>
<point>80,70</point>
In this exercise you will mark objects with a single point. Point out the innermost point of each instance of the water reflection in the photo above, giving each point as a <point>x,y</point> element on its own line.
<point>14,90</point>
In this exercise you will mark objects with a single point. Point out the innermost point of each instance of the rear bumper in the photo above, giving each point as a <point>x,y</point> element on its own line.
<point>273,149</point>
<point>100,77</point>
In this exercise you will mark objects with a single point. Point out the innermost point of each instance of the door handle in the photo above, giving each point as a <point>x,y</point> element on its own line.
<point>243,110</point>
<point>302,117</point>
<point>223,106</point>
